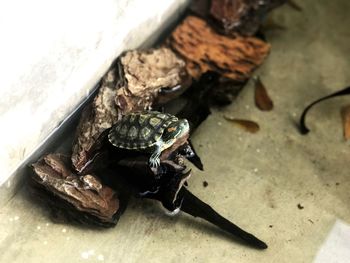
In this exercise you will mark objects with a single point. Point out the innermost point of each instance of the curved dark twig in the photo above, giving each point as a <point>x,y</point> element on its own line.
<point>302,127</point>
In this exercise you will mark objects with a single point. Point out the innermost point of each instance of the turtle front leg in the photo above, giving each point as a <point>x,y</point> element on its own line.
<point>154,160</point>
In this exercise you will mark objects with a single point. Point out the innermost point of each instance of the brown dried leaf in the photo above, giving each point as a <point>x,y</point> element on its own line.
<point>249,126</point>
<point>85,193</point>
<point>262,99</point>
<point>345,113</point>
<point>204,50</point>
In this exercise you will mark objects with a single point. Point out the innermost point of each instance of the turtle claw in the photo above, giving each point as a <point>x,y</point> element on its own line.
<point>154,162</point>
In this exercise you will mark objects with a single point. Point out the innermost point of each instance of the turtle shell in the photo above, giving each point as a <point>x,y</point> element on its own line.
<point>139,130</point>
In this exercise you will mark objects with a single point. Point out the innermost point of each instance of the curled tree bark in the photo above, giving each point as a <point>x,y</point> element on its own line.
<point>146,74</point>
<point>96,117</point>
<point>84,197</point>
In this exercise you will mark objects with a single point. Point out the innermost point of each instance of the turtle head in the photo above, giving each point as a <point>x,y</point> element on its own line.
<point>175,130</point>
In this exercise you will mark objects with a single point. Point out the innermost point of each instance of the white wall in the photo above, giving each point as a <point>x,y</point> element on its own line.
<point>52,53</point>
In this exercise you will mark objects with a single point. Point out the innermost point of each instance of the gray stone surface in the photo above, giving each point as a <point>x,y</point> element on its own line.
<point>256,180</point>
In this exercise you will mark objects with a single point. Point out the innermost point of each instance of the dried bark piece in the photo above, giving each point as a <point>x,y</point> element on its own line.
<point>345,114</point>
<point>204,50</point>
<point>241,16</point>
<point>86,194</point>
<point>249,126</point>
<point>262,98</point>
<point>146,74</point>
<point>101,114</point>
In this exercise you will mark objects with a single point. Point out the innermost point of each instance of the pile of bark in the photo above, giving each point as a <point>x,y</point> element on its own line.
<point>206,60</point>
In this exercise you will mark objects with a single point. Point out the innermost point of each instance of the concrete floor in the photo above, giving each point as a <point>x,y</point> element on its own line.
<point>255,180</point>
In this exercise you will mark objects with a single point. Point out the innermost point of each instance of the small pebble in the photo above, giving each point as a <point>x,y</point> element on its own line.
<point>38,227</point>
<point>219,123</point>
<point>300,206</point>
<point>256,170</point>
<point>100,257</point>
<point>64,230</point>
<point>16,218</point>
<point>205,183</point>
<point>45,242</point>
<point>257,150</point>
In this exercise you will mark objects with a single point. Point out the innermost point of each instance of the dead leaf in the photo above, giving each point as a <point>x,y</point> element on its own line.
<point>205,50</point>
<point>249,126</point>
<point>262,99</point>
<point>345,113</point>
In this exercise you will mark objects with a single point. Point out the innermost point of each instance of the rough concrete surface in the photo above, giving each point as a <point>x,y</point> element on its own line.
<point>255,180</point>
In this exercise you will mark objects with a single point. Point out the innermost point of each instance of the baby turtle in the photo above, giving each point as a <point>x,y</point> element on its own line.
<point>148,131</point>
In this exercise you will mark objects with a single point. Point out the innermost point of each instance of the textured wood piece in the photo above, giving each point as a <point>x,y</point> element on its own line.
<point>241,16</point>
<point>205,50</point>
<point>345,113</point>
<point>85,193</point>
<point>145,74</point>
<point>96,117</point>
